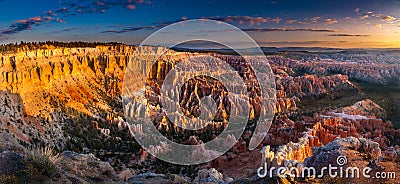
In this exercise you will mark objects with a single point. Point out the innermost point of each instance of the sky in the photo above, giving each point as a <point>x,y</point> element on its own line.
<point>271,23</point>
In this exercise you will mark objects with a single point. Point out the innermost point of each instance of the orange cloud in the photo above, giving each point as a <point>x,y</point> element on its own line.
<point>35,19</point>
<point>364,17</point>
<point>291,21</point>
<point>247,19</point>
<point>330,21</point>
<point>288,30</point>
<point>314,19</point>
<point>22,21</point>
<point>349,35</point>
<point>377,15</point>
<point>378,25</point>
<point>130,6</point>
<point>276,20</point>
<point>388,18</point>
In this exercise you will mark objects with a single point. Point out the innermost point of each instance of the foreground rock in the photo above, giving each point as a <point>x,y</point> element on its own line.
<point>353,153</point>
<point>84,168</point>
<point>149,178</point>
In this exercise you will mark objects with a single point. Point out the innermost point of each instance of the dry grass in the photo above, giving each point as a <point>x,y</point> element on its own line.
<point>49,153</point>
<point>40,163</point>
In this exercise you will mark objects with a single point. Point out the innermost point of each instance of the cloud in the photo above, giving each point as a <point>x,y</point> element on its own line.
<point>164,23</point>
<point>333,44</point>
<point>49,13</point>
<point>66,9</point>
<point>303,23</point>
<point>349,18</point>
<point>368,15</point>
<point>371,14</point>
<point>139,1</point>
<point>291,21</point>
<point>364,17</point>
<point>330,21</point>
<point>62,10</point>
<point>291,43</point>
<point>288,29</point>
<point>59,20</point>
<point>17,27</point>
<point>246,19</point>
<point>251,21</point>
<point>357,10</point>
<point>131,29</point>
<point>314,19</point>
<point>130,6</point>
<point>276,20</point>
<point>37,19</point>
<point>25,24</point>
<point>377,15</point>
<point>99,6</point>
<point>388,18</point>
<point>349,35</point>
<point>378,25</point>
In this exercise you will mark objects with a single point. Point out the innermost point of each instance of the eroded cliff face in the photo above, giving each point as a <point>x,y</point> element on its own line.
<point>56,83</point>
<point>51,85</point>
<point>194,89</point>
<point>64,75</point>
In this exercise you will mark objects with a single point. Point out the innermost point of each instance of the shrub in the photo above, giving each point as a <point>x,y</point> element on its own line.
<point>40,164</point>
<point>8,179</point>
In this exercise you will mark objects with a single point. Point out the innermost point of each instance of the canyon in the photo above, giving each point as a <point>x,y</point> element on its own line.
<point>71,99</point>
<point>365,69</point>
